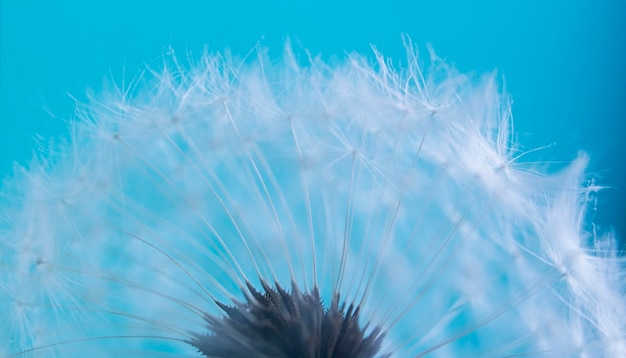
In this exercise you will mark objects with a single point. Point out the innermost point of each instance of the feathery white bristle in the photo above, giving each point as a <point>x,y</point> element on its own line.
<point>401,189</point>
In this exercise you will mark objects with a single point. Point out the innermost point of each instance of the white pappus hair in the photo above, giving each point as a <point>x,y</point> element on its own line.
<point>396,191</point>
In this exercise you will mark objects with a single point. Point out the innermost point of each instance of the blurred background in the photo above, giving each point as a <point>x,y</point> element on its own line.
<point>562,62</point>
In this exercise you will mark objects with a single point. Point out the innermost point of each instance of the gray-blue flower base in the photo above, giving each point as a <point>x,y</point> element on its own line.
<point>278,323</point>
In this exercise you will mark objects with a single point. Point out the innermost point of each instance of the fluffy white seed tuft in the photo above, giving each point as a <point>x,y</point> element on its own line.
<point>400,189</point>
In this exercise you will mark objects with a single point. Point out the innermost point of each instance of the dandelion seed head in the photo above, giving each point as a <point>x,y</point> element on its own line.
<point>392,199</point>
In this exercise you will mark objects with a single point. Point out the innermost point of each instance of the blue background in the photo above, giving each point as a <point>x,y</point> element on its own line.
<point>563,61</point>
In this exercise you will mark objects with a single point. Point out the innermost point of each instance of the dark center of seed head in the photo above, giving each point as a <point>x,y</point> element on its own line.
<point>284,324</point>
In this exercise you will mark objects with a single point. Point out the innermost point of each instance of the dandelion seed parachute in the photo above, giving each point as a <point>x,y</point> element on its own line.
<point>397,196</point>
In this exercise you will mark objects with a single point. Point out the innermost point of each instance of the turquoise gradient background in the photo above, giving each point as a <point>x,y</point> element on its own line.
<point>562,61</point>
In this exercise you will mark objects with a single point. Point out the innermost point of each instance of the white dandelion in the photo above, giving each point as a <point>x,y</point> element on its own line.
<point>237,208</point>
